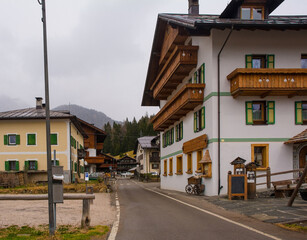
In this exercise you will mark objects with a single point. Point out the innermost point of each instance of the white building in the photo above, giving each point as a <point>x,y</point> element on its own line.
<point>234,84</point>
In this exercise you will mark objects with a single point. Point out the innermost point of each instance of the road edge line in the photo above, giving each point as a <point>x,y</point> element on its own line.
<point>115,226</point>
<point>216,215</point>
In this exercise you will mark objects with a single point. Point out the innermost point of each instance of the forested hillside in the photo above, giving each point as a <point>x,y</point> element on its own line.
<point>122,137</point>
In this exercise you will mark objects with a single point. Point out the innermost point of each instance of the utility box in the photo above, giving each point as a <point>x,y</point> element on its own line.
<point>57,183</point>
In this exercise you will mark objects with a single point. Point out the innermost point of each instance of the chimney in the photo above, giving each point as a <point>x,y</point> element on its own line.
<point>39,103</point>
<point>193,7</point>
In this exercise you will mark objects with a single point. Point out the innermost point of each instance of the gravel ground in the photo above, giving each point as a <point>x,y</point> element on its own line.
<point>34,213</point>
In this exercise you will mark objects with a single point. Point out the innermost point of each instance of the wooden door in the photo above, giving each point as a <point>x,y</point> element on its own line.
<point>303,157</point>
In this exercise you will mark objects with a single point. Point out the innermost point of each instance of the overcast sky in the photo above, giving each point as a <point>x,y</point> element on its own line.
<point>98,50</point>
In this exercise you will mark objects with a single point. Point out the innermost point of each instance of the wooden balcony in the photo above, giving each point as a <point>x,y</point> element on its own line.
<point>179,64</point>
<point>99,146</point>
<point>189,97</point>
<point>94,160</point>
<point>268,82</point>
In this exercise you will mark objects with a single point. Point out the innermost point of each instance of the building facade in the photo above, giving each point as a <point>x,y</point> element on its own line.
<point>148,154</point>
<point>23,147</point>
<point>230,85</point>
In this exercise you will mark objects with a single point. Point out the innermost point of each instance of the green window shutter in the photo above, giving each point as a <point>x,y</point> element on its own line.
<point>17,139</point>
<point>181,130</point>
<point>195,122</point>
<point>203,119</point>
<point>26,165</point>
<point>53,139</point>
<point>17,166</point>
<point>76,166</point>
<point>71,141</point>
<point>298,113</point>
<point>195,77</point>
<point>82,169</point>
<point>271,112</point>
<point>202,73</point>
<point>57,162</point>
<point>6,140</point>
<point>31,139</point>
<point>270,61</point>
<point>36,165</point>
<point>75,143</point>
<point>249,113</point>
<point>7,166</point>
<point>176,133</point>
<point>248,61</point>
<point>162,139</point>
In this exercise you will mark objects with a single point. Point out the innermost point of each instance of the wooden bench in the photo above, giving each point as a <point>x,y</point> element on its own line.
<point>283,188</point>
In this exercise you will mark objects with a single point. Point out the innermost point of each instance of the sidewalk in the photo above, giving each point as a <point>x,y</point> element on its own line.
<point>266,209</point>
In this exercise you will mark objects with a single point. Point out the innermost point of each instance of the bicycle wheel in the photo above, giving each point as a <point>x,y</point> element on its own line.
<point>189,189</point>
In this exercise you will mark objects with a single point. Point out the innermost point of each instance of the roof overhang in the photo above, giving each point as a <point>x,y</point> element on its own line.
<point>299,138</point>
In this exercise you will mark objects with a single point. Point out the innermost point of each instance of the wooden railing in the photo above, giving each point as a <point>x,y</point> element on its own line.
<point>190,96</point>
<point>268,82</point>
<point>182,60</point>
<point>269,175</point>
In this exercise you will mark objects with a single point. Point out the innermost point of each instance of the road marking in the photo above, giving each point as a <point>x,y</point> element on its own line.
<point>114,230</point>
<point>215,215</point>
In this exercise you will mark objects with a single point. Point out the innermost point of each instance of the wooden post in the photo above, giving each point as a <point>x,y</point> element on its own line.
<point>302,178</point>
<point>85,219</point>
<point>268,178</point>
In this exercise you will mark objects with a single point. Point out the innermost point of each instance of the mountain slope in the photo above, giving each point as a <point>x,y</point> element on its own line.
<point>88,115</point>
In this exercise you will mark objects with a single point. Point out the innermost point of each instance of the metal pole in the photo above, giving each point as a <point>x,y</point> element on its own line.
<point>49,164</point>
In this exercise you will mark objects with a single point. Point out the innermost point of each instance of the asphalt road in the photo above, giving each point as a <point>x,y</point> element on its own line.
<point>148,215</point>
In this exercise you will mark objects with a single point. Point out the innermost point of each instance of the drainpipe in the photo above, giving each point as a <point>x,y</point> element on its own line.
<point>219,111</point>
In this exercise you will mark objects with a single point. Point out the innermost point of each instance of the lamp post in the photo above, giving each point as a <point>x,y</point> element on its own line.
<point>47,109</point>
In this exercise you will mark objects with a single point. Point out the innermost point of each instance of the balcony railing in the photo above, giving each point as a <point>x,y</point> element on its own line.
<point>190,96</point>
<point>180,63</point>
<point>268,82</point>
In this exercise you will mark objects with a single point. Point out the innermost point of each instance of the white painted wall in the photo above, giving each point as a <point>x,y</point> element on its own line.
<point>287,46</point>
<point>91,152</point>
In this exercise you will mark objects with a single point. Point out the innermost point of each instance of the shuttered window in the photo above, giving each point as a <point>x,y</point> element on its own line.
<point>11,139</point>
<point>200,120</point>
<point>260,112</point>
<point>31,165</point>
<point>11,165</point>
<point>199,75</point>
<point>179,131</point>
<point>300,112</point>
<point>260,61</point>
<point>54,139</point>
<point>31,139</point>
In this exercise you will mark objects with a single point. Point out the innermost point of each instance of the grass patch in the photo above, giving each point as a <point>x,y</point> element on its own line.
<point>63,232</point>
<point>298,227</point>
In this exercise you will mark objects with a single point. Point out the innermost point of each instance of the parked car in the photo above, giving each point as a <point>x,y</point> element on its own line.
<point>126,174</point>
<point>154,173</point>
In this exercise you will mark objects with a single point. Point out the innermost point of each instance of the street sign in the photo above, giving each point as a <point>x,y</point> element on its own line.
<point>86,178</point>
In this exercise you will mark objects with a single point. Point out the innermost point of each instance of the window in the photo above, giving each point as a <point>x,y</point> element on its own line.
<point>57,163</point>
<point>54,139</point>
<point>199,120</point>
<point>168,138</point>
<point>301,112</point>
<point>11,165</point>
<point>179,165</point>
<point>179,131</point>
<point>165,167</point>
<point>189,163</point>
<point>260,112</point>
<point>259,61</point>
<point>170,167</point>
<point>199,75</point>
<point>31,165</point>
<point>11,139</point>
<point>31,139</point>
<point>199,157</point>
<point>260,155</point>
<point>155,166</point>
<point>255,13</point>
<point>304,61</point>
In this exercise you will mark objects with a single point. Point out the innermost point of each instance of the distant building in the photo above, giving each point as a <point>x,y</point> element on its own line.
<point>229,85</point>
<point>148,154</point>
<point>24,143</point>
<point>126,163</point>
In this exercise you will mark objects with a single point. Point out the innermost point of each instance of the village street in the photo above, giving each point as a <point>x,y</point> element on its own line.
<point>146,212</point>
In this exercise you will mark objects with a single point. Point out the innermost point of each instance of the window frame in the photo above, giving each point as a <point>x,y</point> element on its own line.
<point>200,120</point>
<point>165,168</point>
<point>179,165</point>
<point>251,8</point>
<point>189,163</point>
<point>28,134</point>
<point>268,60</point>
<point>179,131</point>
<point>199,167</point>
<point>268,113</point>
<point>170,171</point>
<point>8,165</point>
<point>303,57</point>
<point>266,155</point>
<point>299,120</point>
<point>57,139</point>
<point>29,165</point>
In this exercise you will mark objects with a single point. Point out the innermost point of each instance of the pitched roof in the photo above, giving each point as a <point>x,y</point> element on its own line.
<point>147,142</point>
<point>201,25</point>
<point>299,138</point>
<point>40,113</point>
<point>100,131</point>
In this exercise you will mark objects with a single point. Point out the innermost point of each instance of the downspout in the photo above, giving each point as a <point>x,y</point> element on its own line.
<point>69,147</point>
<point>219,112</point>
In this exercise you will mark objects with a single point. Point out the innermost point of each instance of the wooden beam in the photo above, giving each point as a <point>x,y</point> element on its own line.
<point>265,94</point>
